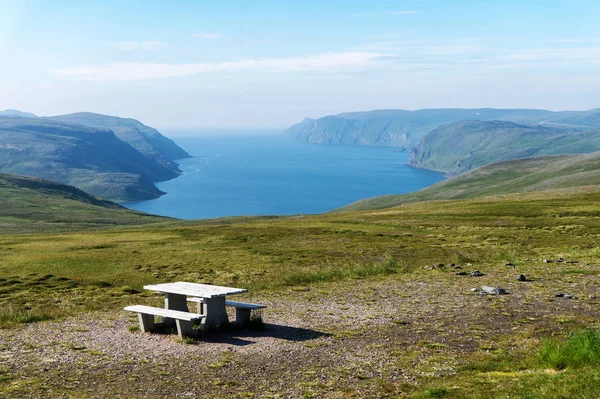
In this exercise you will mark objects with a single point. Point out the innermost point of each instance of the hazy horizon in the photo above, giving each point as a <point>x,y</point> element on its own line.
<point>235,65</point>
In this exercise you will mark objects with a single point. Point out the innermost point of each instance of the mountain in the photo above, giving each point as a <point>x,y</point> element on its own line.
<point>457,147</point>
<point>16,113</point>
<point>567,172</point>
<point>29,204</point>
<point>401,128</point>
<point>143,138</point>
<point>92,159</point>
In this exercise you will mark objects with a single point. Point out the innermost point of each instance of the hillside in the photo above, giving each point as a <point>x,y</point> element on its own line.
<point>29,204</point>
<point>143,138</point>
<point>458,147</point>
<point>401,128</point>
<point>16,114</point>
<point>566,172</point>
<point>363,304</point>
<point>92,159</point>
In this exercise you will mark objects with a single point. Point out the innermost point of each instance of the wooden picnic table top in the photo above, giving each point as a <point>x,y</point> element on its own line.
<point>194,289</point>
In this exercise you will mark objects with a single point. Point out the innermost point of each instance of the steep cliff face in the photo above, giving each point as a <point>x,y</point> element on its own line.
<point>92,159</point>
<point>404,129</point>
<point>143,138</point>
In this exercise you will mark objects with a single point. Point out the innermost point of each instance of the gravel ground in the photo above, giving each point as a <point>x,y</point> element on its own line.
<point>366,338</point>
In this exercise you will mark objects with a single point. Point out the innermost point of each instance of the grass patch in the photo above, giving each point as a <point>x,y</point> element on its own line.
<point>580,349</point>
<point>352,270</point>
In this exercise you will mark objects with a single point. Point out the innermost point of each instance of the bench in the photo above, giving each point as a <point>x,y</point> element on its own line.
<point>242,310</point>
<point>183,320</point>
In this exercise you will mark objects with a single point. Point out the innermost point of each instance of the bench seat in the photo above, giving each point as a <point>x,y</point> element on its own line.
<point>183,320</point>
<point>242,310</point>
<point>242,305</point>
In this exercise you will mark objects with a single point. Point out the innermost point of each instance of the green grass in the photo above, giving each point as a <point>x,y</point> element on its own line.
<point>53,275</point>
<point>580,349</point>
<point>64,208</point>
<point>568,173</point>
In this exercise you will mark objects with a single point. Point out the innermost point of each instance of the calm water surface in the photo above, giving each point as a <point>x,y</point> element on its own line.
<point>275,175</point>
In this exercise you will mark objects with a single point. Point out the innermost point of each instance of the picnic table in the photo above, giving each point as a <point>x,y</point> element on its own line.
<point>211,300</point>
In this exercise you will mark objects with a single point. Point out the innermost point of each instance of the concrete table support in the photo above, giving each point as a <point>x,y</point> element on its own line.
<point>215,312</point>
<point>175,302</point>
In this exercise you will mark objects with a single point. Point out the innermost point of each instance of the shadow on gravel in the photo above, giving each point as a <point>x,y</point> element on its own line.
<point>242,338</point>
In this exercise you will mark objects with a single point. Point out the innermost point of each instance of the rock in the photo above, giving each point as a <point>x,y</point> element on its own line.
<point>474,289</point>
<point>547,261</point>
<point>509,264</point>
<point>563,295</point>
<point>560,260</point>
<point>461,273</point>
<point>573,261</point>
<point>429,267</point>
<point>485,290</point>
<point>521,277</point>
<point>457,266</point>
<point>593,297</point>
<point>477,273</point>
<point>452,265</point>
<point>469,265</point>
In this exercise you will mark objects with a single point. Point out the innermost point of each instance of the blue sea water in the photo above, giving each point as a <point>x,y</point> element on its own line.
<point>274,175</point>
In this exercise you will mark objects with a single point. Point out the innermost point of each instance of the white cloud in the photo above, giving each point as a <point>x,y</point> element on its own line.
<point>122,71</point>
<point>134,46</point>
<point>210,35</point>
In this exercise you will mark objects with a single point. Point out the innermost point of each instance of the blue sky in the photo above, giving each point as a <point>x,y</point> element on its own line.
<point>255,64</point>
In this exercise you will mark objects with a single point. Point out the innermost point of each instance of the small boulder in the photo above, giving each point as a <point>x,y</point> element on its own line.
<point>477,273</point>
<point>493,291</point>
<point>547,261</point>
<point>521,277</point>
<point>509,265</point>
<point>563,295</point>
<point>461,273</point>
<point>474,289</point>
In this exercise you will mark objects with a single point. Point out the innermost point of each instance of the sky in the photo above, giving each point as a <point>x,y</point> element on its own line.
<point>268,64</point>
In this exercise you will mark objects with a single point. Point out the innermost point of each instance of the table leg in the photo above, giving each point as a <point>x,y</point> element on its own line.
<point>216,315</point>
<point>175,302</point>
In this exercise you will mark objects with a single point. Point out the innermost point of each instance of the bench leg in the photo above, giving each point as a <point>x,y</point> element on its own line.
<point>146,322</point>
<point>174,302</point>
<point>201,308</point>
<point>216,315</point>
<point>184,328</point>
<point>242,316</point>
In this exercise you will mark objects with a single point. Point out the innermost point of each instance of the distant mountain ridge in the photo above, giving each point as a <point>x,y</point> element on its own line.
<point>16,114</point>
<point>461,146</point>
<point>404,129</point>
<point>85,150</point>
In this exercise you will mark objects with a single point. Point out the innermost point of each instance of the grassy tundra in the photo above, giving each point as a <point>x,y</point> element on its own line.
<point>352,310</point>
